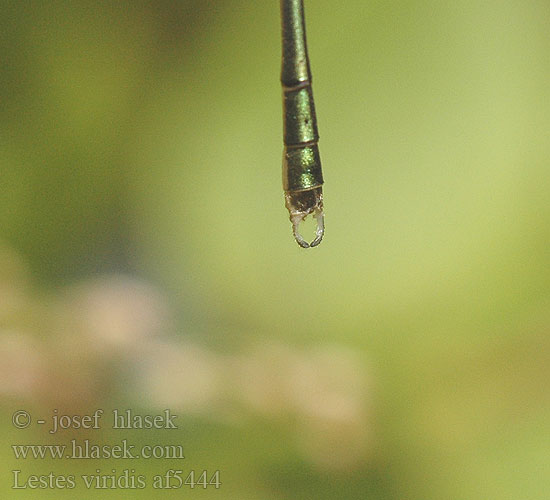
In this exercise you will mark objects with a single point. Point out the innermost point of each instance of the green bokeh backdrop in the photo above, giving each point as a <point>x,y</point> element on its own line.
<point>144,139</point>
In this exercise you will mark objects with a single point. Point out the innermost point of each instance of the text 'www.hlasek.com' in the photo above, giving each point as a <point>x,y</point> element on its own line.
<point>83,446</point>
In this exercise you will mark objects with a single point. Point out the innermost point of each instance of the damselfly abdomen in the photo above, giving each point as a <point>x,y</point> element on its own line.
<point>302,175</point>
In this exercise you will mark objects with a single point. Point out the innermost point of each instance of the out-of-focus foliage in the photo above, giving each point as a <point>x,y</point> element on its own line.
<point>146,259</point>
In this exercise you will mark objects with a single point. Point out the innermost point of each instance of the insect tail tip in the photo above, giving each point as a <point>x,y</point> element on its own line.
<point>296,219</point>
<point>319,232</point>
<point>300,204</point>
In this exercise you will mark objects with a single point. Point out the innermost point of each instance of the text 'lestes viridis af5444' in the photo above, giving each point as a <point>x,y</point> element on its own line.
<point>302,175</point>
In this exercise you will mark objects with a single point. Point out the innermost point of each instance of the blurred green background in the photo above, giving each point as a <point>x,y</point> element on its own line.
<point>147,261</point>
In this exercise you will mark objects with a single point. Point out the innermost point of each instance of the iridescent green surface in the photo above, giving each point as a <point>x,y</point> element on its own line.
<point>301,160</point>
<point>299,116</point>
<point>302,168</point>
<point>295,68</point>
